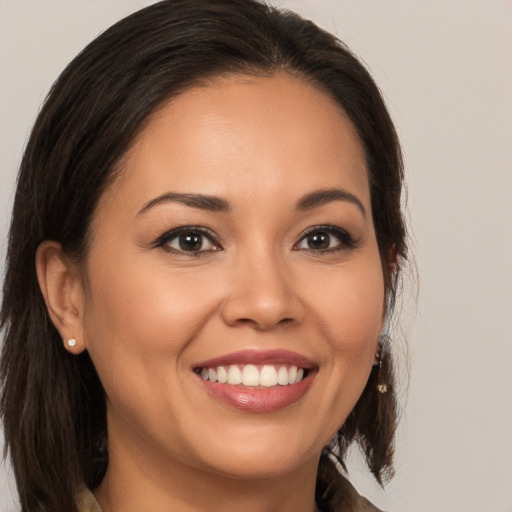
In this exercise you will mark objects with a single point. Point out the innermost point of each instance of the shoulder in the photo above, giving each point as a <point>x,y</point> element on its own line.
<point>344,499</point>
<point>86,502</point>
<point>347,499</point>
<point>335,493</point>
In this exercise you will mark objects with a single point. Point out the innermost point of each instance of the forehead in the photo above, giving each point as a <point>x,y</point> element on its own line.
<point>246,136</point>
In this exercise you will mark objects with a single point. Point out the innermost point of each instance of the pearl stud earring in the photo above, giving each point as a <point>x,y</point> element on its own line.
<point>71,343</point>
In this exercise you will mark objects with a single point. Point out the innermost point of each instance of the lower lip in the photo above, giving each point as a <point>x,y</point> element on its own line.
<point>259,399</point>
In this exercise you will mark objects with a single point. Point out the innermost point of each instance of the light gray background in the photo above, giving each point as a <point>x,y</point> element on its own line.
<point>444,68</point>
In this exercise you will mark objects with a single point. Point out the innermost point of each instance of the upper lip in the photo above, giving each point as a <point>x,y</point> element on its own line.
<point>258,357</point>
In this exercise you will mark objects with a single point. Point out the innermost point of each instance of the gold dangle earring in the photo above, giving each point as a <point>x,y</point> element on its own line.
<point>382,387</point>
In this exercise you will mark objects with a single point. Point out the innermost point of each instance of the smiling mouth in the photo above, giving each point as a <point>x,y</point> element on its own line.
<point>254,376</point>
<point>257,381</point>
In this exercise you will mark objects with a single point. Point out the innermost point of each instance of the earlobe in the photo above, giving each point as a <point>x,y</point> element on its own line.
<point>62,290</point>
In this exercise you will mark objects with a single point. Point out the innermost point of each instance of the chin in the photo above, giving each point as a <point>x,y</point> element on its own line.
<point>264,456</point>
<point>259,468</point>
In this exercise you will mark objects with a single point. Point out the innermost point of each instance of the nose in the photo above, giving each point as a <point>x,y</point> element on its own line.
<point>262,294</point>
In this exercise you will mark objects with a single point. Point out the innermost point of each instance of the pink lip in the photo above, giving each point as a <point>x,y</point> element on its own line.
<point>256,399</point>
<point>257,357</point>
<point>259,399</point>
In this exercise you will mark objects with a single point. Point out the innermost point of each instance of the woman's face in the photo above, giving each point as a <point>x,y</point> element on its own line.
<point>237,243</point>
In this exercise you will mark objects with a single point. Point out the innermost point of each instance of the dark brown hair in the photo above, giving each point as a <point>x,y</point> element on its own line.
<point>52,403</point>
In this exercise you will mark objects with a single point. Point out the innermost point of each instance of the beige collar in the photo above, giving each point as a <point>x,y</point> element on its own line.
<point>86,502</point>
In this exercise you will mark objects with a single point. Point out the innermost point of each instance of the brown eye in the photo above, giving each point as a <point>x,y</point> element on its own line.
<point>318,240</point>
<point>328,238</point>
<point>188,240</point>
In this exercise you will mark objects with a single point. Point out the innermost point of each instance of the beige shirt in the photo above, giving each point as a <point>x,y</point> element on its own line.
<point>87,502</point>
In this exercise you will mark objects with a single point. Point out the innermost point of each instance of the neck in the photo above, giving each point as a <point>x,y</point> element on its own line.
<point>139,480</point>
<point>187,490</point>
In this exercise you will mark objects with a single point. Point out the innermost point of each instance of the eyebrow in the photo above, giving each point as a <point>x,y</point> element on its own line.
<point>321,197</point>
<point>217,204</point>
<point>200,201</point>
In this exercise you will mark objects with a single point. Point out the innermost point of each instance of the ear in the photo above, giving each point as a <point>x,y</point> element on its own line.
<point>391,265</point>
<point>62,289</point>
<point>378,350</point>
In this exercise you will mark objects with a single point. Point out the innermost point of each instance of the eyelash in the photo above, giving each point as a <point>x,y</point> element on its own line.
<point>164,240</point>
<point>345,240</point>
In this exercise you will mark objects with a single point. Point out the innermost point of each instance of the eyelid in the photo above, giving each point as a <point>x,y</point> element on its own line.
<point>346,239</point>
<point>164,239</point>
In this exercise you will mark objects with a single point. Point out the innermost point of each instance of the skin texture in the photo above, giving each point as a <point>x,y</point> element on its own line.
<point>148,313</point>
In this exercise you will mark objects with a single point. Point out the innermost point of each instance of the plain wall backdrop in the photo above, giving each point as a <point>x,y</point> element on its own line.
<point>445,70</point>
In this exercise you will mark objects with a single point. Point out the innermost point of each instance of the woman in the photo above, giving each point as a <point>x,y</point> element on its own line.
<point>201,266</point>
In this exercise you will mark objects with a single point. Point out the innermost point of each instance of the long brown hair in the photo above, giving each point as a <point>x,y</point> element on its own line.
<point>52,403</point>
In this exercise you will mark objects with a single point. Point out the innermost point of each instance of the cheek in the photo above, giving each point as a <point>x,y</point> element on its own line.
<point>141,317</point>
<point>346,306</point>
<point>352,298</point>
<point>351,313</point>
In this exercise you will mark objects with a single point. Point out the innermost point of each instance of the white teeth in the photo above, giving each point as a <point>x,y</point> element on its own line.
<point>234,375</point>
<point>292,374</point>
<point>249,375</point>
<point>268,376</point>
<point>222,375</point>
<point>282,376</point>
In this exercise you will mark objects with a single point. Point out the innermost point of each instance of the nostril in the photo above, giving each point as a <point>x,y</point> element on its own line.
<point>262,308</point>
<point>244,321</point>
